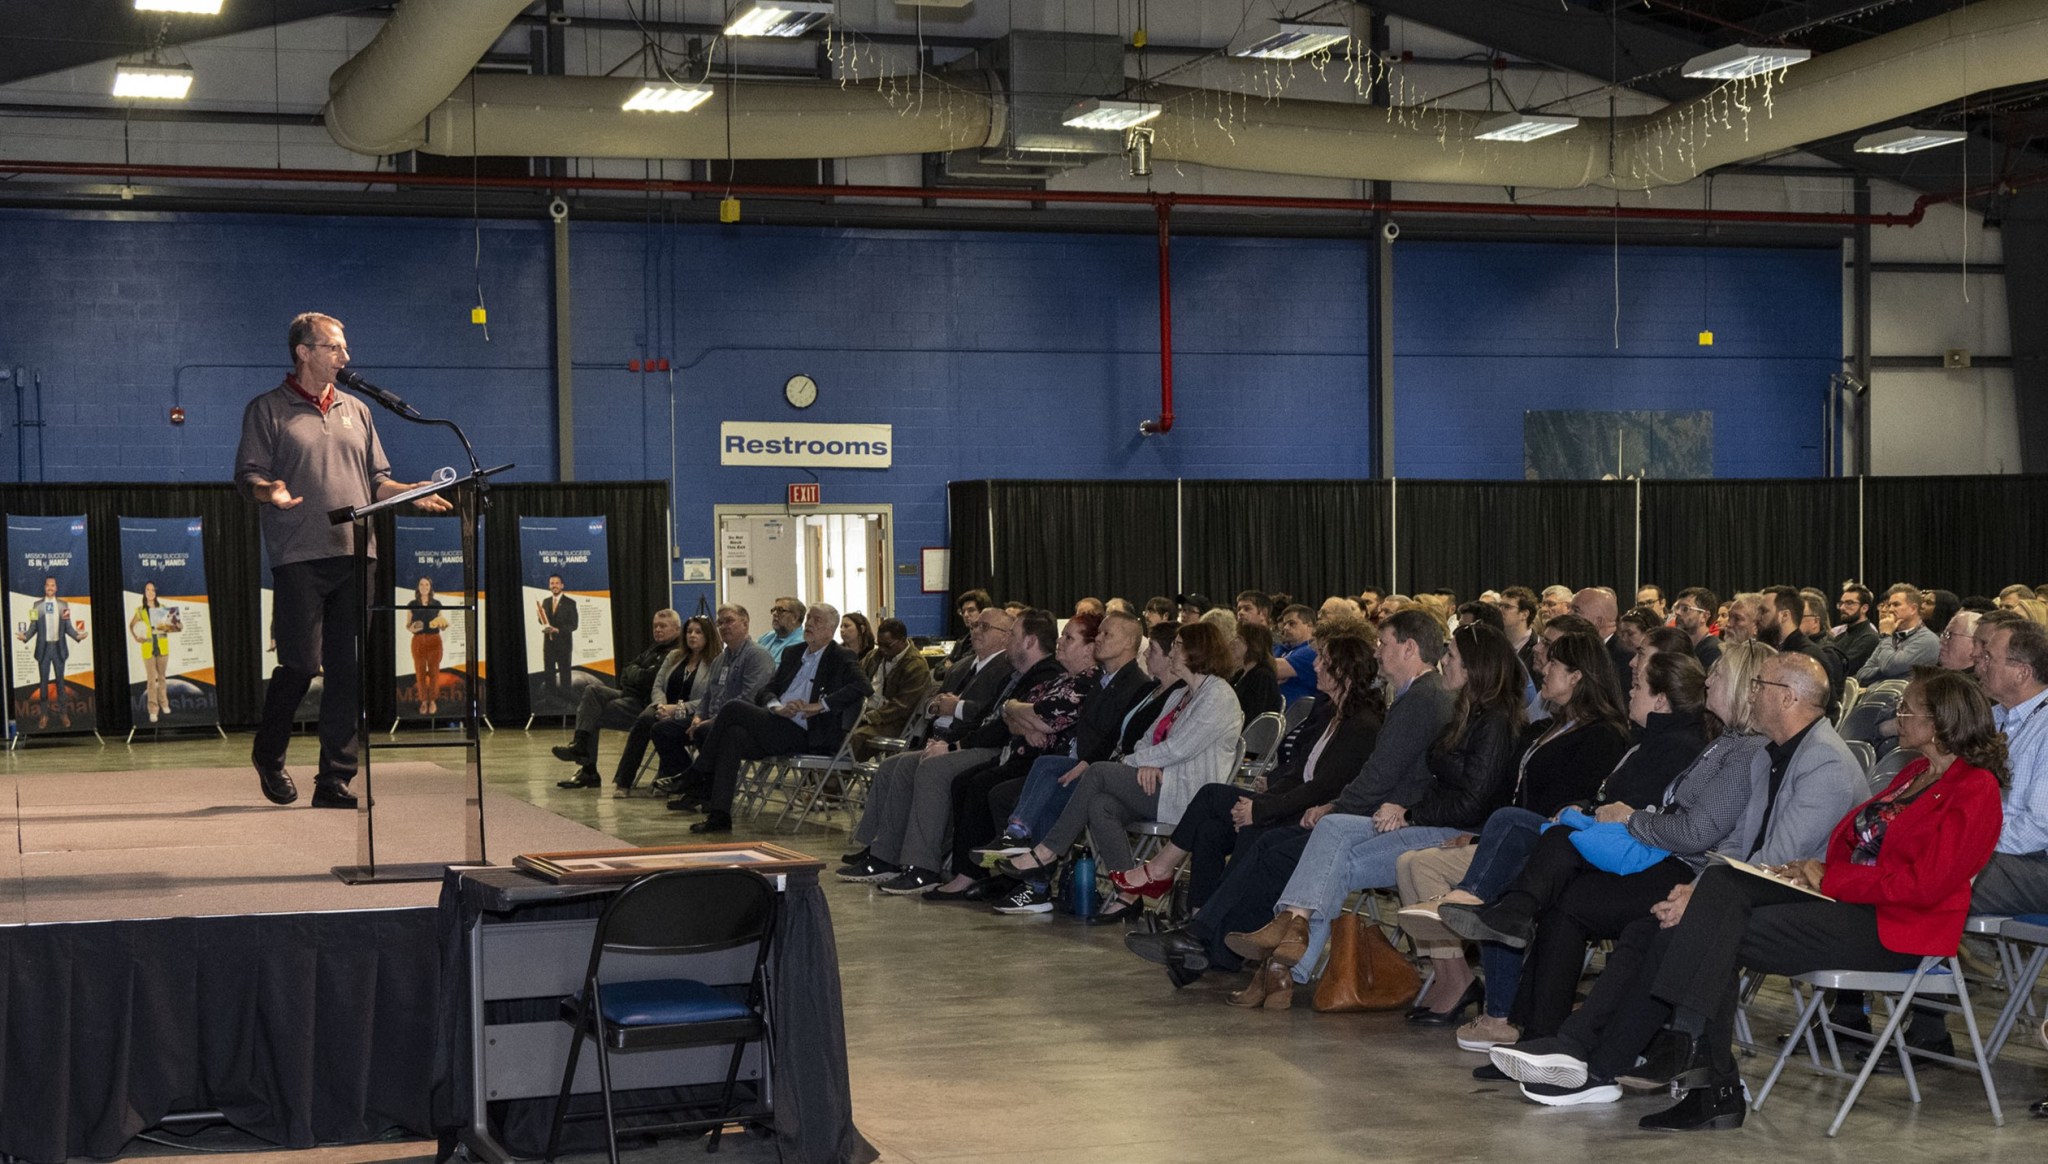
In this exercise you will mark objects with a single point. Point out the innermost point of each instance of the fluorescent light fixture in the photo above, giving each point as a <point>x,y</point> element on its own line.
<point>1740,60</point>
<point>778,17</point>
<point>1906,139</point>
<point>188,7</point>
<point>1108,113</point>
<point>1523,127</point>
<point>153,82</point>
<point>667,97</point>
<point>1296,40</point>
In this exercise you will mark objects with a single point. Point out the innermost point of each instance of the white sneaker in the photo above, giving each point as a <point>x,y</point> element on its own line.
<point>1486,1032</point>
<point>1551,1095</point>
<point>1539,1061</point>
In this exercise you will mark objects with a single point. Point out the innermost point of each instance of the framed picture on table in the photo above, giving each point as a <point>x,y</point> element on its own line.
<point>609,866</point>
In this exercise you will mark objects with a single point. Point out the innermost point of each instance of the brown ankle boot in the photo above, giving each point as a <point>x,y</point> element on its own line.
<point>1279,986</point>
<point>1285,939</point>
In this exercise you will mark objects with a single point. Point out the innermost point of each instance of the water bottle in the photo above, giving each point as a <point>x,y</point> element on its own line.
<point>1081,897</point>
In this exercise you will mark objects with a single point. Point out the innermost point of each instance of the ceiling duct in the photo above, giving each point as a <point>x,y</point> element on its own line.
<point>396,95</point>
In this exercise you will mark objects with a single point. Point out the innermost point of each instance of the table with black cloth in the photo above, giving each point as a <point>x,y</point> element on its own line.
<point>812,1103</point>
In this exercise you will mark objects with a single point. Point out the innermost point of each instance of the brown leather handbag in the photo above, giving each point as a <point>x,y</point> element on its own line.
<point>1364,971</point>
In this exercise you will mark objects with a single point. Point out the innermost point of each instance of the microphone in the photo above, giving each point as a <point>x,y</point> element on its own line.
<point>349,378</point>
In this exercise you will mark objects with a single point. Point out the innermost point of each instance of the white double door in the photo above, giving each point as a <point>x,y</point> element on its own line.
<point>837,554</point>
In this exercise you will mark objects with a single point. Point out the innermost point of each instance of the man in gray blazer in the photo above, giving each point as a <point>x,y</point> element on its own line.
<point>1807,778</point>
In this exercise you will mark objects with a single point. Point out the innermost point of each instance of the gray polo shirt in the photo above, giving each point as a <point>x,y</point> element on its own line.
<point>330,459</point>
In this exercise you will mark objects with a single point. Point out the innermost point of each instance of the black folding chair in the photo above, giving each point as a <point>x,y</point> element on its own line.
<point>679,913</point>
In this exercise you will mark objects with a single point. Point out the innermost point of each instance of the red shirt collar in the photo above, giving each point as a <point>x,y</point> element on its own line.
<point>323,402</point>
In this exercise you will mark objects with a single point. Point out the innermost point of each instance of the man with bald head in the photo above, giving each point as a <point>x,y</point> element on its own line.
<point>1599,606</point>
<point>1806,778</point>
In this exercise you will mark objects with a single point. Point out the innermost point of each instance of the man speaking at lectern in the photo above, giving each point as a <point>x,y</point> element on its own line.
<point>307,449</point>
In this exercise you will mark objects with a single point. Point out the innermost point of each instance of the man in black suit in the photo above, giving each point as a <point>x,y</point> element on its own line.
<point>816,695</point>
<point>557,635</point>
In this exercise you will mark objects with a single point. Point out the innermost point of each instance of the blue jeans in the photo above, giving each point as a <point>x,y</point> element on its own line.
<point>1345,853</point>
<point>1043,798</point>
<point>1503,848</point>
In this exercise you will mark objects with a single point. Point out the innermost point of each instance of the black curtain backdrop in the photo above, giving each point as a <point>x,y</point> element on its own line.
<point>1731,536</point>
<point>1054,541</point>
<point>970,568</point>
<point>1058,541</point>
<point>1972,535</point>
<point>1471,535</point>
<point>1311,539</point>
<point>235,570</point>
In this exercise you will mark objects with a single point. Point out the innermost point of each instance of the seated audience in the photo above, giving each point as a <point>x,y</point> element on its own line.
<point>1902,643</point>
<point>684,677</point>
<point>1783,609</point>
<point>969,608</point>
<point>1854,636</point>
<point>1295,665</point>
<point>1254,606</point>
<point>619,707</point>
<point>2014,672</point>
<point>1159,610</point>
<point>1410,646</point>
<point>1253,676</point>
<point>1470,767</point>
<point>857,636</point>
<point>1189,745</point>
<point>816,695</point>
<point>738,674</point>
<point>1520,617</point>
<point>1898,868</point>
<point>1343,725</point>
<point>1937,607</point>
<point>1650,597</point>
<point>1556,601</point>
<point>897,671</point>
<point>1693,613</point>
<point>785,627</point>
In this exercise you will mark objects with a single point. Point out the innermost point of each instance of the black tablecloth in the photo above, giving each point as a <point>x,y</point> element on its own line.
<point>303,1029</point>
<point>813,1107</point>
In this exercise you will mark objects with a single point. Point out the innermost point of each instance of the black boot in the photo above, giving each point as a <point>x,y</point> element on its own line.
<point>1719,1107</point>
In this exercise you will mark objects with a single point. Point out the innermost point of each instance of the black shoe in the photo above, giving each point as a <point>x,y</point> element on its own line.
<point>1718,1106</point>
<point>665,785</point>
<point>2038,1109</point>
<point>1422,1016</point>
<point>1169,948</point>
<point>326,795</point>
<point>1117,911</point>
<point>988,889</point>
<point>717,822</point>
<point>962,894</point>
<point>1027,899</point>
<point>568,753</point>
<point>1004,846</point>
<point>1487,923</point>
<point>277,785</point>
<point>911,880</point>
<point>855,857</point>
<point>586,777</point>
<point>686,804</point>
<point>871,871</point>
<point>1180,976</point>
<point>1488,1073</point>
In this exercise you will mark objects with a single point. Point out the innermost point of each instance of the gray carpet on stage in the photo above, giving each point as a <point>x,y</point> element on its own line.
<point>201,842</point>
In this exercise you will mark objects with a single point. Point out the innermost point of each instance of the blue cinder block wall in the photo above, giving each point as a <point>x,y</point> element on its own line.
<point>993,355</point>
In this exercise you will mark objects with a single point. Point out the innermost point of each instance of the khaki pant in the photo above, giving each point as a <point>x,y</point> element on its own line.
<point>1425,873</point>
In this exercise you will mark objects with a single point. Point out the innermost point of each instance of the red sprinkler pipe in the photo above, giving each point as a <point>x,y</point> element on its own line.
<point>1164,423</point>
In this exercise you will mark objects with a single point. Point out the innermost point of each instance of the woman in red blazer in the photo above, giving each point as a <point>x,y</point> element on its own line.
<point>1898,866</point>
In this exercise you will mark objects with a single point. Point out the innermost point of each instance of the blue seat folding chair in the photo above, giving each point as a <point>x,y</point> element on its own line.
<point>705,920</point>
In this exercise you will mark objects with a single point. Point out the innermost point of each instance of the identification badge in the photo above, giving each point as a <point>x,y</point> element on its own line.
<point>347,421</point>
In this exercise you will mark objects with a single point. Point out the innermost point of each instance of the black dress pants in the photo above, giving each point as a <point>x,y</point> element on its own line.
<point>1737,920</point>
<point>742,732</point>
<point>316,619</point>
<point>1620,1016</point>
<point>1251,886</point>
<point>973,823</point>
<point>1209,836</point>
<point>1587,905</point>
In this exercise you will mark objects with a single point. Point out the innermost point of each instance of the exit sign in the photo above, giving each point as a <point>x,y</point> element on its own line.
<point>805,494</point>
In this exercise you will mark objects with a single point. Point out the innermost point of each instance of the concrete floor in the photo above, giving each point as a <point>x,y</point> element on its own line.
<point>976,1037</point>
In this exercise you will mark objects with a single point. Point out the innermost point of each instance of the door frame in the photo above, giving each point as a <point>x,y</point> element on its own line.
<point>888,511</point>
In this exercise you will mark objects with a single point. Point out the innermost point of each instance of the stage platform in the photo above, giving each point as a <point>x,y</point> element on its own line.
<point>171,942</point>
<point>197,842</point>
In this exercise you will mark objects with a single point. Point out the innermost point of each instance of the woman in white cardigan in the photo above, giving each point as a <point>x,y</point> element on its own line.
<point>1192,743</point>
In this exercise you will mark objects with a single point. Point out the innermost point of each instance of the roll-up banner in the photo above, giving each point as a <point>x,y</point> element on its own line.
<point>566,599</point>
<point>308,710</point>
<point>169,622</point>
<point>433,652</point>
<point>49,612</point>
